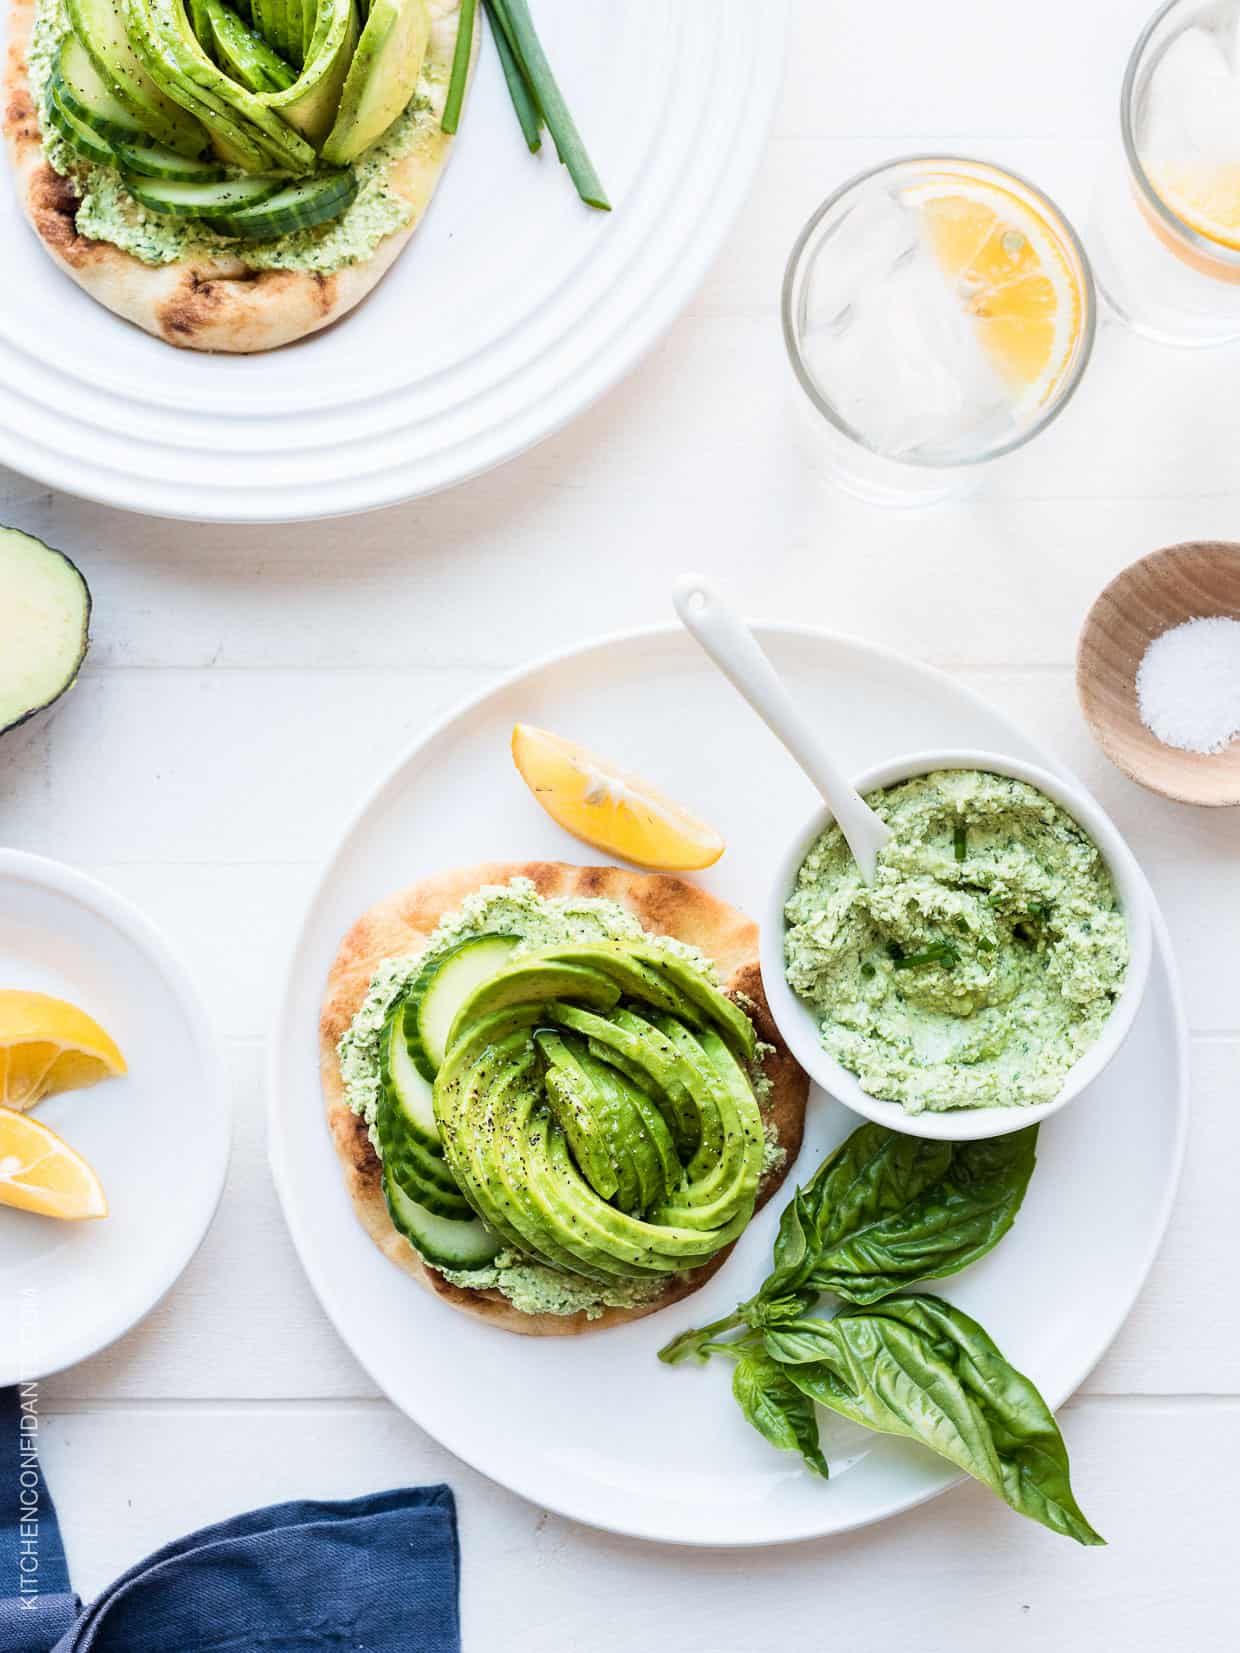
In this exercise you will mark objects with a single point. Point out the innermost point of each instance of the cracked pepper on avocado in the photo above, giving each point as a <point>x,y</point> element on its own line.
<point>568,1110</point>
<point>983,961</point>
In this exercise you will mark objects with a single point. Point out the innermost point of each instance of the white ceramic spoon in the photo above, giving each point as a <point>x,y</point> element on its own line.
<point>734,649</point>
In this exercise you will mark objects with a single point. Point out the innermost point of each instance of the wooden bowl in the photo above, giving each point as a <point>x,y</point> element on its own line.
<point>1197,580</point>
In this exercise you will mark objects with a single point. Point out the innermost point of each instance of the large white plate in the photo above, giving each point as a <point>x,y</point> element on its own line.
<point>512,309</point>
<point>158,1137</point>
<point>594,1427</point>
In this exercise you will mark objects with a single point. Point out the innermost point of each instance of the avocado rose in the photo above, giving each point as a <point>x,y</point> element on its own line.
<point>595,1111</point>
<point>246,117</point>
<point>590,1104</point>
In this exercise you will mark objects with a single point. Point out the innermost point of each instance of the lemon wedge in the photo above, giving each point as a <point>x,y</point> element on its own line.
<point>40,1173</point>
<point>1006,265</point>
<point>615,812</point>
<point>49,1045</point>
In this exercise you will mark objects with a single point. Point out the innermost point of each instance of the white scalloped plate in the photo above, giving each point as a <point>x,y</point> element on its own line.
<point>513,308</point>
<point>604,1433</point>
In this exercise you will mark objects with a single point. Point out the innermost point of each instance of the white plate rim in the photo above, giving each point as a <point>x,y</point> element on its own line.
<point>117,910</point>
<point>597,371</point>
<point>283,1030</point>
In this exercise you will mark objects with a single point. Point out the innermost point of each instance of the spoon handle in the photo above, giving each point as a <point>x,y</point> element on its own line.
<point>734,649</point>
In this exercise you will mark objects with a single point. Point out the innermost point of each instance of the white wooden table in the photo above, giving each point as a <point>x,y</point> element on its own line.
<point>245,685</point>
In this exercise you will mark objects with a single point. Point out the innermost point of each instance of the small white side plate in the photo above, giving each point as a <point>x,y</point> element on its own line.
<point>158,1138</point>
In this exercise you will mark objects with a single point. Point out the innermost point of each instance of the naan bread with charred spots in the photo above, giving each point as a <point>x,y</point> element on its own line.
<point>556,1092</point>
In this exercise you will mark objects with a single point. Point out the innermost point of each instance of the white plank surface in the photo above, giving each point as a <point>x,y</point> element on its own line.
<point>181,772</point>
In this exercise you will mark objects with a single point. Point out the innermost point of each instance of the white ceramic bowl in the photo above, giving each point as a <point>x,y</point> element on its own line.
<point>796,1021</point>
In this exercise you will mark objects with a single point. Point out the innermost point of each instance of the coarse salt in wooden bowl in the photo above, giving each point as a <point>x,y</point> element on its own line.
<point>1197,580</point>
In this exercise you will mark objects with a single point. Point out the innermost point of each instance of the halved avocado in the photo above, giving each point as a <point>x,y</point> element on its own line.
<point>44,626</point>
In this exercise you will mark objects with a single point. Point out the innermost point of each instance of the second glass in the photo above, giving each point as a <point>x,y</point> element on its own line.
<point>1164,233</point>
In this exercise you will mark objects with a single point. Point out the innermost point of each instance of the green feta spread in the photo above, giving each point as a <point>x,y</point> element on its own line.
<point>983,961</point>
<point>108,212</point>
<point>514,909</point>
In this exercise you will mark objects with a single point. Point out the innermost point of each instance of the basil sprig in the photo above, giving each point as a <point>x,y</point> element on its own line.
<point>882,1213</point>
<point>918,1367</point>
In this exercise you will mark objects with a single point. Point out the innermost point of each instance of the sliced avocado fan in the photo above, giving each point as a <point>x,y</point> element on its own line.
<point>44,625</point>
<point>588,1112</point>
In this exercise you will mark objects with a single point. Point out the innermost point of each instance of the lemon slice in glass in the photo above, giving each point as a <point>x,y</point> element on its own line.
<point>1206,197</point>
<point>610,810</point>
<point>49,1045</point>
<point>1010,275</point>
<point>40,1173</point>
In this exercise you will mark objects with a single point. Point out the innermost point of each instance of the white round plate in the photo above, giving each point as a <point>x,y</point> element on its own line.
<point>157,1137</point>
<point>513,308</point>
<point>607,1434</point>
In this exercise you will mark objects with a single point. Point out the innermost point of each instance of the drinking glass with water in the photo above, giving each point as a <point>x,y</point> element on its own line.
<point>939,312</point>
<point>1165,229</point>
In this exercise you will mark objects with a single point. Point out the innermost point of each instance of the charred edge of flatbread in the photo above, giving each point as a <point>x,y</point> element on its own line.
<point>665,905</point>
<point>216,303</point>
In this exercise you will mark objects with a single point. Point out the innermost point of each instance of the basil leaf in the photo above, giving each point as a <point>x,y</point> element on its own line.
<point>918,1367</point>
<point>777,1409</point>
<point>891,1210</point>
<point>796,1249</point>
<point>873,1172</point>
<point>802,1342</point>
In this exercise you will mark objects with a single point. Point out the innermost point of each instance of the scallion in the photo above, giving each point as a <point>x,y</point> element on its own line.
<point>523,37</point>
<point>528,113</point>
<point>460,66</point>
<point>960,839</point>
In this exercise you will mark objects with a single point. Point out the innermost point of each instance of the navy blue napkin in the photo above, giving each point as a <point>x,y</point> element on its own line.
<point>373,1575</point>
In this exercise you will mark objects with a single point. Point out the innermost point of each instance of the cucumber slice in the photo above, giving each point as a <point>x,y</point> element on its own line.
<point>44,626</point>
<point>408,1092</point>
<point>444,1242</point>
<point>440,991</point>
<point>407,1132</point>
<point>83,94</point>
<point>153,160</point>
<point>180,199</point>
<point>99,27</point>
<point>80,137</point>
<point>430,1196</point>
<point>300,206</point>
<point>418,1167</point>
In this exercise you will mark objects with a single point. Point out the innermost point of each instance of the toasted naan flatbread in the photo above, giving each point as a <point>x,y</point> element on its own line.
<point>401,926</point>
<point>217,302</point>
